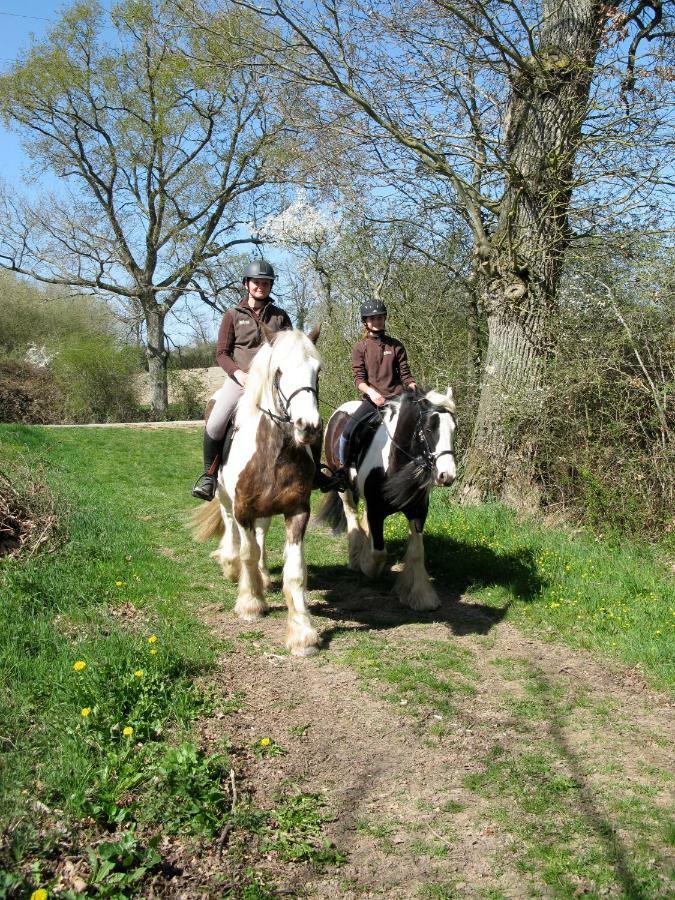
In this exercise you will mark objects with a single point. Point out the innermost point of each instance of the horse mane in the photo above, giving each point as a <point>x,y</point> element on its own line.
<point>287,344</point>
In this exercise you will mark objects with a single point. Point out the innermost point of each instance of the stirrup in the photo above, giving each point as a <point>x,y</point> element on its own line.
<point>205,487</point>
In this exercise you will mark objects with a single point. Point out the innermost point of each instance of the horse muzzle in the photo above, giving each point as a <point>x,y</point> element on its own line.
<point>445,476</point>
<point>305,432</point>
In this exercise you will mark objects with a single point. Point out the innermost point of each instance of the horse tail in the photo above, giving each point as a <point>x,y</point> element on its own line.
<point>207,521</point>
<point>331,512</point>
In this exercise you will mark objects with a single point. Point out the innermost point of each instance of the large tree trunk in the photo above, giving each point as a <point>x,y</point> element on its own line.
<point>520,275</point>
<point>157,355</point>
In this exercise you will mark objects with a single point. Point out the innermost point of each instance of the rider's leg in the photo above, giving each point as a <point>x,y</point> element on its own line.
<point>338,482</point>
<point>225,401</point>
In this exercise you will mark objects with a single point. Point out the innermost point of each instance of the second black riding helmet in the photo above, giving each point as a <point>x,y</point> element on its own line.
<point>259,268</point>
<point>372,308</point>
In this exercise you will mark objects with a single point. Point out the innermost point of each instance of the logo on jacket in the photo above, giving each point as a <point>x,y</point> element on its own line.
<point>387,352</point>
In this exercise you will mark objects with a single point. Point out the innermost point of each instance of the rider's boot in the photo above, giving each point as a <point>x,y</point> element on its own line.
<point>205,486</point>
<point>339,479</point>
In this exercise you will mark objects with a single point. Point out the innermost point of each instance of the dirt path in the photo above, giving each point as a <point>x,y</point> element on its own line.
<point>434,791</point>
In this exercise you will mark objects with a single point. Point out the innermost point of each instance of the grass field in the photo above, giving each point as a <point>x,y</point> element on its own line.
<point>105,664</point>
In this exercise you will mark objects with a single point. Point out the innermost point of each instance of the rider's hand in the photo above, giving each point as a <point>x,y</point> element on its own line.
<point>376,397</point>
<point>241,377</point>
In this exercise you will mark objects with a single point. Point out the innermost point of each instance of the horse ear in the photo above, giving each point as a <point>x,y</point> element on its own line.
<point>314,333</point>
<point>449,394</point>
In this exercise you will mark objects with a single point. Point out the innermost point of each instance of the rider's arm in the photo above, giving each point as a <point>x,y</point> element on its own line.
<point>225,345</point>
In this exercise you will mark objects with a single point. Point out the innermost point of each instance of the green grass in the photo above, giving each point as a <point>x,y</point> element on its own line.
<point>103,665</point>
<point>618,600</point>
<point>126,571</point>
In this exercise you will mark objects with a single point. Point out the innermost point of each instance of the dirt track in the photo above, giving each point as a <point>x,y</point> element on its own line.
<point>394,773</point>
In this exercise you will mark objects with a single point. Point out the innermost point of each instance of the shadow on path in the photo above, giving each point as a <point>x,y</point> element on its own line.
<point>369,604</point>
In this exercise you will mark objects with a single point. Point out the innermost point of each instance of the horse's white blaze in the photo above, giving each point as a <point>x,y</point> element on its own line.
<point>445,470</point>
<point>302,639</point>
<point>413,587</point>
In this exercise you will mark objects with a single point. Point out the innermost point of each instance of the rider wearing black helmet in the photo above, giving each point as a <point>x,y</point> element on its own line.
<point>239,337</point>
<point>381,371</point>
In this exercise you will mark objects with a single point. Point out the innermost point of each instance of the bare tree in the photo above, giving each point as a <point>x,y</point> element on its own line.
<point>159,159</point>
<point>536,120</point>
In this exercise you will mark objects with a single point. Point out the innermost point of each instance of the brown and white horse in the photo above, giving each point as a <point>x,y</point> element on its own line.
<point>269,471</point>
<point>410,451</point>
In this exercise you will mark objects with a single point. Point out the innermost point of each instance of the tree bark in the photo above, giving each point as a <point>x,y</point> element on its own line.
<point>520,275</point>
<point>157,356</point>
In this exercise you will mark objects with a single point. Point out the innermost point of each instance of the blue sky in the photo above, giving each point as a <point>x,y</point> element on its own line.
<point>17,22</point>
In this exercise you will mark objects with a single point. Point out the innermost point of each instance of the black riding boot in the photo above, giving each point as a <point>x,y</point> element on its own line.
<point>320,478</point>
<point>205,487</point>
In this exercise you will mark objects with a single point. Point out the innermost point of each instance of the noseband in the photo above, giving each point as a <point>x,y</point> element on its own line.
<point>428,459</point>
<point>285,402</point>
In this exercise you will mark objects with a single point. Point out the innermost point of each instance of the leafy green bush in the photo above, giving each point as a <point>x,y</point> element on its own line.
<point>97,380</point>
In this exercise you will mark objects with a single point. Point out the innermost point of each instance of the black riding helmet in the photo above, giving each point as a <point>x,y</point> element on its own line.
<point>259,268</point>
<point>372,308</point>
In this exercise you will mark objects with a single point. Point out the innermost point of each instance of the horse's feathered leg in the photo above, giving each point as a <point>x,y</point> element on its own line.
<point>413,587</point>
<point>250,603</point>
<point>356,538</point>
<point>301,639</point>
<point>261,527</point>
<point>227,553</point>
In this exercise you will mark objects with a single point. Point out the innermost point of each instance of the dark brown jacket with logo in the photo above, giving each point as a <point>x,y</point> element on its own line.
<point>240,335</point>
<point>381,361</point>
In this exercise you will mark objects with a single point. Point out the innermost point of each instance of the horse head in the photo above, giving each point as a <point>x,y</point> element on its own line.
<point>437,430</point>
<point>291,391</point>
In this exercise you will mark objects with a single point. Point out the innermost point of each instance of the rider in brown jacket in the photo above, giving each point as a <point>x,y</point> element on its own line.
<point>239,337</point>
<point>381,371</point>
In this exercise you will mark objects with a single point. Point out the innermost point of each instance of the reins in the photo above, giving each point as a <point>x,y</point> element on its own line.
<point>428,458</point>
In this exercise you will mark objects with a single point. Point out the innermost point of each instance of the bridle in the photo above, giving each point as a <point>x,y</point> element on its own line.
<point>428,458</point>
<point>284,401</point>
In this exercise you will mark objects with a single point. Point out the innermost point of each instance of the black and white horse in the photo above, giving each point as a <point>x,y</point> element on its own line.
<point>410,451</point>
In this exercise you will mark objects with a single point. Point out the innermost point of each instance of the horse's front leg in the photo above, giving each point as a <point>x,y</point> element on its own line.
<point>301,639</point>
<point>261,527</point>
<point>373,554</point>
<point>227,553</point>
<point>413,587</point>
<point>250,603</point>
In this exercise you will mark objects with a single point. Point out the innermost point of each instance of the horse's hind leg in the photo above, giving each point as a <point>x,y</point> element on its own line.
<point>301,638</point>
<point>413,587</point>
<point>227,553</point>
<point>261,527</point>
<point>250,603</point>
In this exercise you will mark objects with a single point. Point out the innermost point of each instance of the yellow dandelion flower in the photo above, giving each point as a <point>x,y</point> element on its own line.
<point>152,639</point>
<point>554,605</point>
<point>79,665</point>
<point>40,894</point>
<point>139,673</point>
<point>85,711</point>
<point>153,651</point>
<point>128,731</point>
<point>265,742</point>
<point>119,584</point>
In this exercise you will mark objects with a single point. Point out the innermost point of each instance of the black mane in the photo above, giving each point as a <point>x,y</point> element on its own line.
<point>409,475</point>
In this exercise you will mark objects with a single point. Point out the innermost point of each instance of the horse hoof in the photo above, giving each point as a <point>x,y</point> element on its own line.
<point>304,651</point>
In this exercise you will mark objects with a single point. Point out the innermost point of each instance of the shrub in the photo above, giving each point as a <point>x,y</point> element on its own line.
<point>97,380</point>
<point>29,395</point>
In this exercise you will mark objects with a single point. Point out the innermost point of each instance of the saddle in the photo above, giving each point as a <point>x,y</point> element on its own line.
<point>361,439</point>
